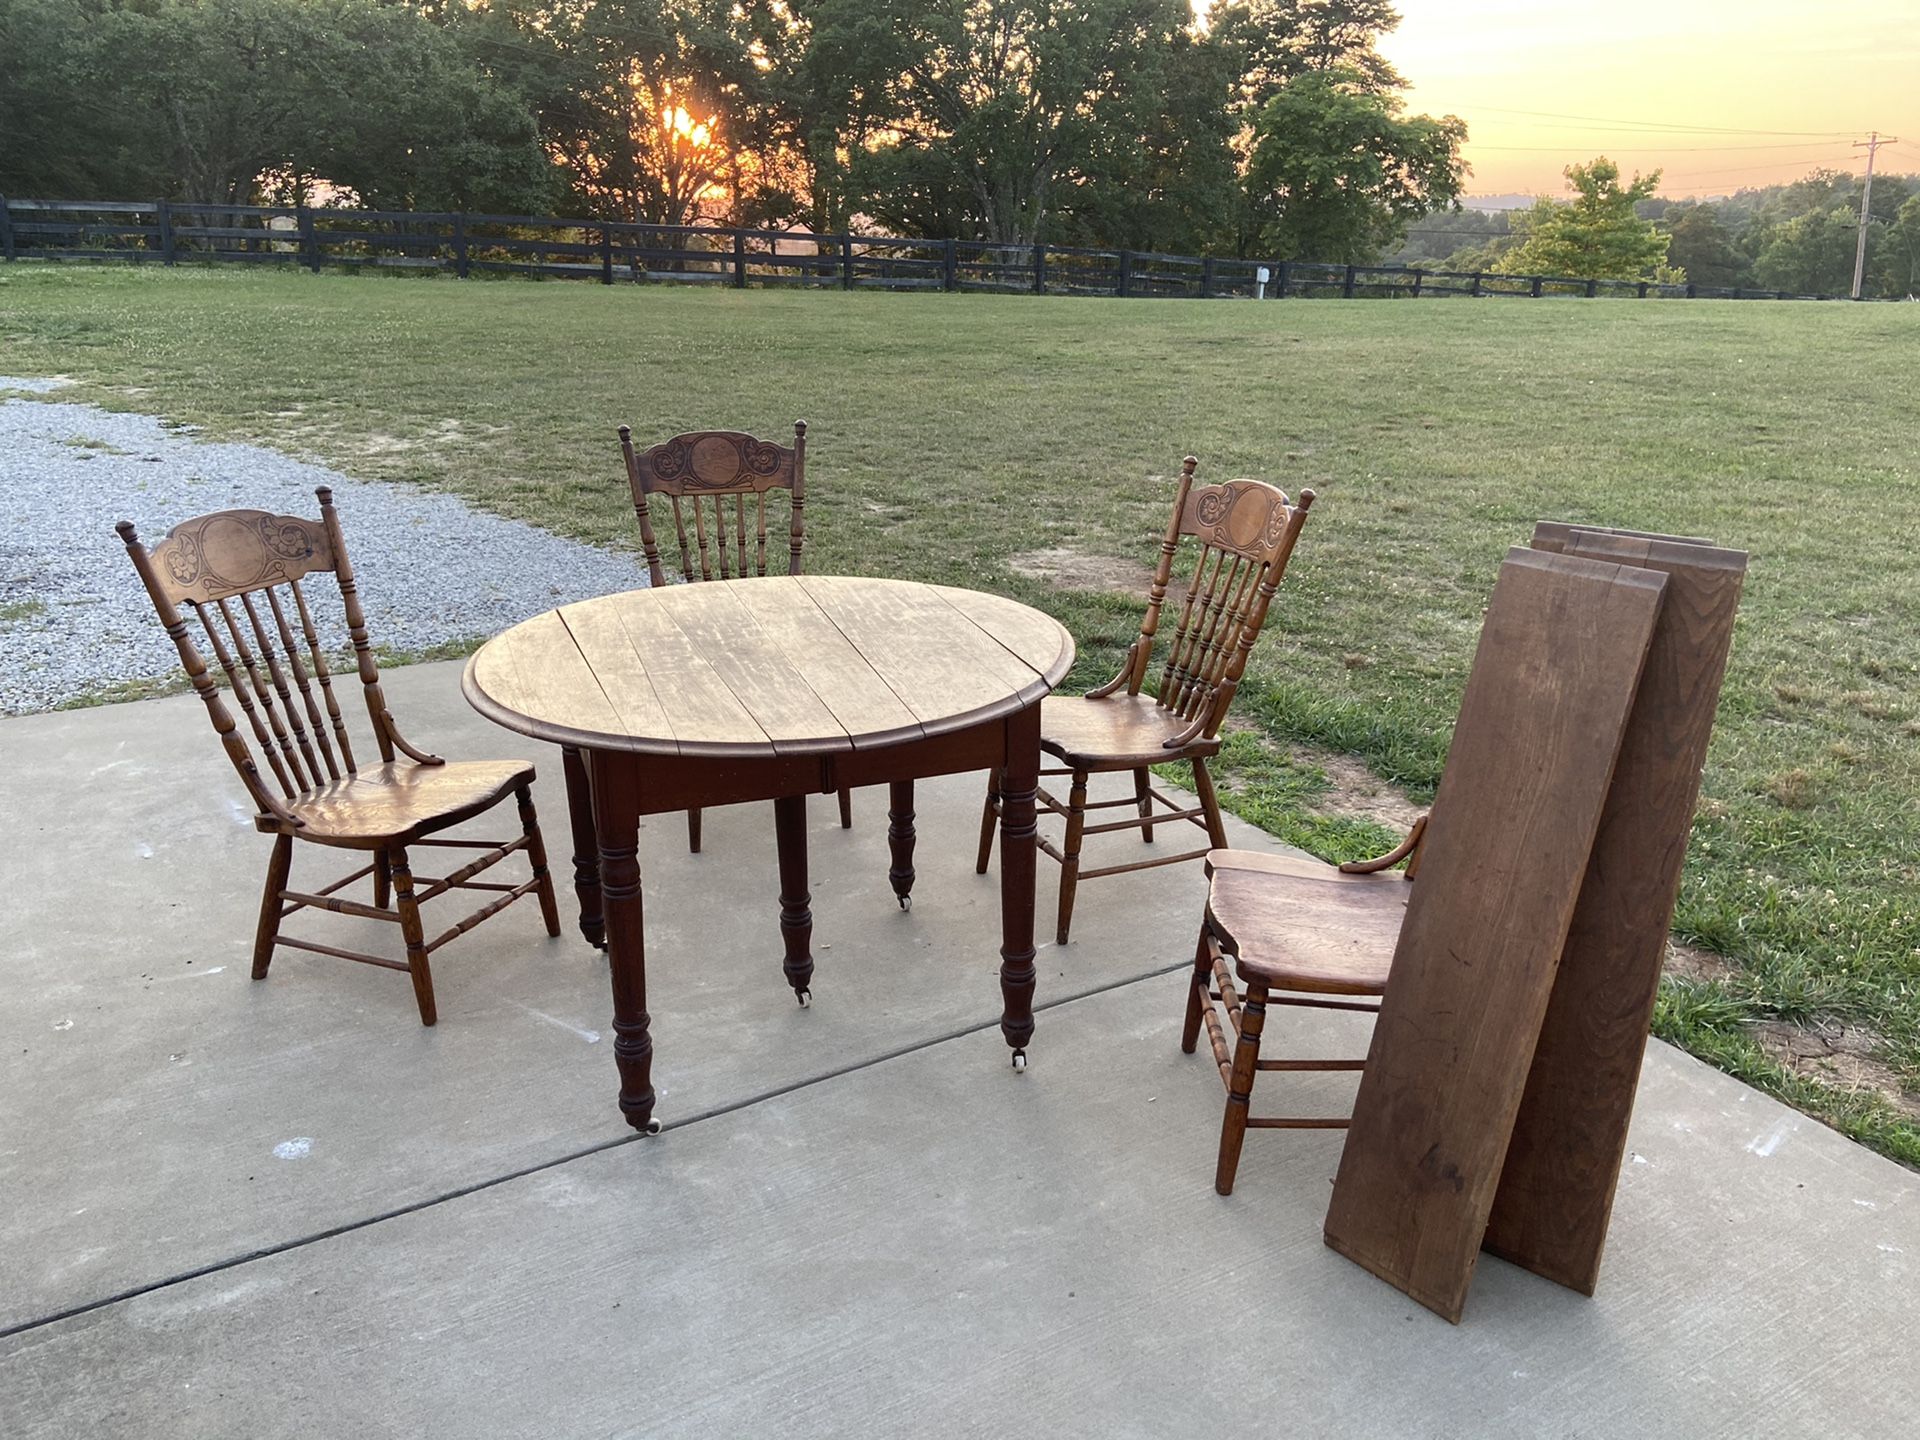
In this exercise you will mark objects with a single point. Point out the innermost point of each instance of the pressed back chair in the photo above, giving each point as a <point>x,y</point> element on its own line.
<point>715,483</point>
<point>238,573</point>
<point>1246,531</point>
<point>1297,932</point>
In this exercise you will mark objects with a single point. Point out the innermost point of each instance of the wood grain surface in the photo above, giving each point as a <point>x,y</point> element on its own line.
<point>1556,1191</point>
<point>1513,824</point>
<point>782,665</point>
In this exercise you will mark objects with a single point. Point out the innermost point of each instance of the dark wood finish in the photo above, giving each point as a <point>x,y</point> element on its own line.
<point>1506,848</point>
<point>830,682</point>
<point>698,474</point>
<point>796,914</point>
<point>586,847</point>
<point>1245,533</point>
<point>1556,1189</point>
<point>239,573</point>
<point>900,838</point>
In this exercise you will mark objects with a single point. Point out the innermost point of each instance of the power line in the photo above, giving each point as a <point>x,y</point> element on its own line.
<point>1667,149</point>
<point>1665,125</point>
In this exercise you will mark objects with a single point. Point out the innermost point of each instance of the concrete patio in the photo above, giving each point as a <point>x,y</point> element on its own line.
<point>286,1209</point>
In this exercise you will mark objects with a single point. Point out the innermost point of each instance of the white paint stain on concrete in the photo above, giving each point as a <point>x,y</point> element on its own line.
<point>190,974</point>
<point>592,1037</point>
<point>298,1148</point>
<point>1765,1145</point>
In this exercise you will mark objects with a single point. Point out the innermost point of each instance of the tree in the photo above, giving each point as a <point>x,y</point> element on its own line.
<point>965,116</point>
<point>1164,177</point>
<point>1896,258</point>
<point>1596,235</point>
<point>1812,254</point>
<point>1277,41</point>
<point>1336,170</point>
<point>1702,248</point>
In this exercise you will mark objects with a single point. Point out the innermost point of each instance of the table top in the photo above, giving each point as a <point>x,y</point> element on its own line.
<point>779,665</point>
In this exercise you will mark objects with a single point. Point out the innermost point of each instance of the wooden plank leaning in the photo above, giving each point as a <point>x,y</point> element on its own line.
<point>1512,829</point>
<point>1556,1191</point>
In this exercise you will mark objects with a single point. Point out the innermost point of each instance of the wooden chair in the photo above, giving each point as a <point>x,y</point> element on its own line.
<point>699,473</point>
<point>239,573</point>
<point>1299,933</point>
<point>1246,532</point>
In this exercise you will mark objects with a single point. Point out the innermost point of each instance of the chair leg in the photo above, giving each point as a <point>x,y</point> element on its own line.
<point>415,937</point>
<point>1070,861</point>
<point>846,808</point>
<point>1197,987</point>
<point>1209,802</point>
<point>382,881</point>
<point>693,831</point>
<point>989,822</point>
<point>1246,1055</point>
<point>537,858</point>
<point>269,928</point>
<point>1142,779</point>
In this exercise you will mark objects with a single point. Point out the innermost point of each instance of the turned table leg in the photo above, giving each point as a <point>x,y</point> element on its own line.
<point>1018,834</point>
<point>796,918</point>
<point>616,792</point>
<point>586,848</point>
<point>900,839</point>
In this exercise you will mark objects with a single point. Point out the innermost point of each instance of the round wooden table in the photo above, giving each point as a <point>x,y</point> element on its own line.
<point>773,689</point>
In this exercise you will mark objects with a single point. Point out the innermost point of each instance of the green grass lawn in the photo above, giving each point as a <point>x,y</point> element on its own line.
<point>950,434</point>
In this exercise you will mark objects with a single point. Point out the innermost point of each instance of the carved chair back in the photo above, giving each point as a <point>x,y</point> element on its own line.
<point>712,478</point>
<point>239,573</point>
<point>1246,532</point>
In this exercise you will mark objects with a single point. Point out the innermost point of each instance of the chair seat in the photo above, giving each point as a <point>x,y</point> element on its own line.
<point>1303,925</point>
<point>1121,732</point>
<point>399,800</point>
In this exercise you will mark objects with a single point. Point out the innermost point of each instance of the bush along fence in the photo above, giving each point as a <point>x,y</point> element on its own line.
<point>613,252</point>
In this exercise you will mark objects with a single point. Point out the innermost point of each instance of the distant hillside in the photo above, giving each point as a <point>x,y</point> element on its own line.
<point>1487,203</point>
<point>1797,237</point>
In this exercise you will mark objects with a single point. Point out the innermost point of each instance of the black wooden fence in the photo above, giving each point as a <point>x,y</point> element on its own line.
<point>617,251</point>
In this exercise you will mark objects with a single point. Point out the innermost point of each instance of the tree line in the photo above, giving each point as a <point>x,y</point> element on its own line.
<point>1274,129</point>
<point>1799,237</point>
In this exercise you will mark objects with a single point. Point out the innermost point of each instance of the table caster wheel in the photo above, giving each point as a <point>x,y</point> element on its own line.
<point>1020,1060</point>
<point>805,997</point>
<point>653,1127</point>
<point>906,902</point>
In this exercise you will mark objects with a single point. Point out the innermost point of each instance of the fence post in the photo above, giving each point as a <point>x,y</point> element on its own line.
<point>1206,278</point>
<point>1346,286</point>
<point>1039,268</point>
<point>309,240</point>
<point>949,266</point>
<point>163,216</point>
<point>1692,293</point>
<point>739,259</point>
<point>1125,286</point>
<point>846,262</point>
<point>1643,290</point>
<point>1535,292</point>
<point>6,228</point>
<point>606,255</point>
<point>461,265</point>
<point>1417,277</point>
<point>1593,289</point>
<point>1478,276</point>
<point>1281,273</point>
<point>1736,293</point>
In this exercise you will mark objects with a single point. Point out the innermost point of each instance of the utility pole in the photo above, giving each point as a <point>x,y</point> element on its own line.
<point>1872,143</point>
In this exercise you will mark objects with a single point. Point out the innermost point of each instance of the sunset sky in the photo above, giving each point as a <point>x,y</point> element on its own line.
<point>1629,78</point>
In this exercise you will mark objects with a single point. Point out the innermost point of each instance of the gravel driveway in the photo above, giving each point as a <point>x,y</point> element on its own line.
<point>74,620</point>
